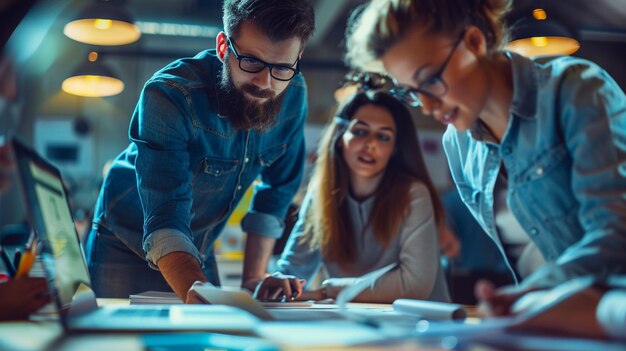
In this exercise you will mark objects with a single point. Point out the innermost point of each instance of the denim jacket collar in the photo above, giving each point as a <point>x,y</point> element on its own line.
<point>525,82</point>
<point>524,101</point>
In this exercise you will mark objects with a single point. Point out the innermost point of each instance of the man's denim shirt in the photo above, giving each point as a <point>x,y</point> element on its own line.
<point>565,155</point>
<point>186,168</point>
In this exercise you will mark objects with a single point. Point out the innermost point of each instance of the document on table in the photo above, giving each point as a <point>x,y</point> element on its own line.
<point>155,297</point>
<point>170,298</point>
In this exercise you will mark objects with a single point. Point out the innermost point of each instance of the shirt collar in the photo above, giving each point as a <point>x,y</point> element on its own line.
<point>480,132</point>
<point>365,202</point>
<point>525,85</point>
<point>524,101</point>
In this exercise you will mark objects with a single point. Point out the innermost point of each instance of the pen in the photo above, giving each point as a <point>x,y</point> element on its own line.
<point>7,262</point>
<point>28,258</point>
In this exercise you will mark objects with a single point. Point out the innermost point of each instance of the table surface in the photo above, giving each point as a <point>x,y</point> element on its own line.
<point>31,336</point>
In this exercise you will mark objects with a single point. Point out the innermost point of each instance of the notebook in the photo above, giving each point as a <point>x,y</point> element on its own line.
<point>50,217</point>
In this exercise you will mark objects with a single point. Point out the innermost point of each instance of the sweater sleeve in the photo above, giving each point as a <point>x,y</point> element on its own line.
<point>301,257</point>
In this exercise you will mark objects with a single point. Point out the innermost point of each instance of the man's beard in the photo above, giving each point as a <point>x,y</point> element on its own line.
<point>243,112</point>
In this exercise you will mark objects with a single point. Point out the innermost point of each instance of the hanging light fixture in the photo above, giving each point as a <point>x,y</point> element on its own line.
<point>93,79</point>
<point>103,23</point>
<point>540,35</point>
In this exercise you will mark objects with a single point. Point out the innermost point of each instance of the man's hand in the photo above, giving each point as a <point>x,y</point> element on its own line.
<point>22,296</point>
<point>192,295</point>
<point>496,302</point>
<point>181,270</point>
<point>279,286</point>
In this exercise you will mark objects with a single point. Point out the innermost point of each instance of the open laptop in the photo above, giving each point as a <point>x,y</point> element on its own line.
<point>63,261</point>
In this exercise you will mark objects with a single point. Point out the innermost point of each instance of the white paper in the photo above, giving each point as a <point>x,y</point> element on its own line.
<point>318,333</point>
<point>155,297</point>
<point>429,309</point>
<point>348,294</point>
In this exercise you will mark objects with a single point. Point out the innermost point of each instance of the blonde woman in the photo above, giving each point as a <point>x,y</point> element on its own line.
<point>370,203</point>
<point>536,148</point>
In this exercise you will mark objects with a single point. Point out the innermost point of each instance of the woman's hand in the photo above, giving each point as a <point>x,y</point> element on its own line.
<point>448,242</point>
<point>496,302</point>
<point>315,295</point>
<point>279,286</point>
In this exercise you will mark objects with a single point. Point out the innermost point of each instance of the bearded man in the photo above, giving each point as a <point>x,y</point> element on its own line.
<point>203,130</point>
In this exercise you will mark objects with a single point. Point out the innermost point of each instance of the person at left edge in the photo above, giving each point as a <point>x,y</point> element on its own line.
<point>203,130</point>
<point>19,297</point>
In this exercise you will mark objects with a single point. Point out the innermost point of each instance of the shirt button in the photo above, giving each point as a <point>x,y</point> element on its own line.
<point>534,231</point>
<point>507,150</point>
<point>238,187</point>
<point>491,152</point>
<point>539,170</point>
<point>247,160</point>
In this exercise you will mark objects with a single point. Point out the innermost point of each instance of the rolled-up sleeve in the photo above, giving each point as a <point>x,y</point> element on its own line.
<point>263,223</point>
<point>165,241</point>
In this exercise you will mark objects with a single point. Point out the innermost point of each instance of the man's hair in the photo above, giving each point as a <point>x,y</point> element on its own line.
<point>278,19</point>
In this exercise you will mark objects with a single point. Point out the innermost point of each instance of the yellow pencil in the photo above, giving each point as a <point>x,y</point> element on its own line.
<point>27,260</point>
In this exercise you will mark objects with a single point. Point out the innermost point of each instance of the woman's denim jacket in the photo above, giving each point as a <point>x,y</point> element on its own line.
<point>186,168</point>
<point>564,152</point>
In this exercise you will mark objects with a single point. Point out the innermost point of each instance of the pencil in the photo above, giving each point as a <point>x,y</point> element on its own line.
<point>28,258</point>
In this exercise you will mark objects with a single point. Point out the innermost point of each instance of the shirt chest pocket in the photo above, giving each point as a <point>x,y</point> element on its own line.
<point>547,184</point>
<point>268,157</point>
<point>212,174</point>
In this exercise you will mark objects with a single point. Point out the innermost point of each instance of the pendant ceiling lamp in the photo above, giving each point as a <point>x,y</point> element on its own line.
<point>103,22</point>
<point>541,35</point>
<point>93,79</point>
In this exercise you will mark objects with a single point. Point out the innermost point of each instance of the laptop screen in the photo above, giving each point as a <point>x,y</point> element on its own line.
<point>49,215</point>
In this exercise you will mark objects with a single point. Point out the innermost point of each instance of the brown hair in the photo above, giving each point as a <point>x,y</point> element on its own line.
<point>278,19</point>
<point>378,25</point>
<point>328,217</point>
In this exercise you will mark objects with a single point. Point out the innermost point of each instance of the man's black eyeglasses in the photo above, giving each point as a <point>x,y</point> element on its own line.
<point>433,86</point>
<point>254,65</point>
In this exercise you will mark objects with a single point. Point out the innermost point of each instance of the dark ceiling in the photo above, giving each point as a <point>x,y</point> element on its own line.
<point>595,21</point>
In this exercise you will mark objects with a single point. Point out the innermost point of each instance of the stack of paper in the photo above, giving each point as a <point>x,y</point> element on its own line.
<point>155,297</point>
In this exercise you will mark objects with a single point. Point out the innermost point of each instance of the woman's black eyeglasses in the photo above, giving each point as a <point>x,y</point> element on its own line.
<point>433,86</point>
<point>254,65</point>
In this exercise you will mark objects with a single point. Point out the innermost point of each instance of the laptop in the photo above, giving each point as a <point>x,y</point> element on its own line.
<point>63,261</point>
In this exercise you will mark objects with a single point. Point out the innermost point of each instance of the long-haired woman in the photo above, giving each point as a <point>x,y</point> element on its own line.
<point>536,147</point>
<point>370,204</point>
